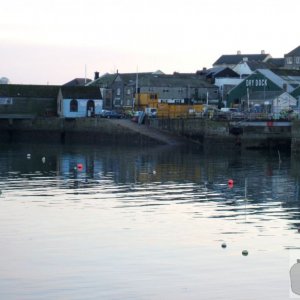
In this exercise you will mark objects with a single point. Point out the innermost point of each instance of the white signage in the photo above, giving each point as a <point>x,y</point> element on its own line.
<point>256,82</point>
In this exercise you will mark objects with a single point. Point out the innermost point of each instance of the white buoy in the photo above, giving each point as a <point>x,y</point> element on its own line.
<point>43,159</point>
<point>28,156</point>
<point>154,172</point>
<point>245,252</point>
<point>223,245</point>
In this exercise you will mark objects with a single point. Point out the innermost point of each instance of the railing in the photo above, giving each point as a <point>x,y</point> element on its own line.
<point>242,116</point>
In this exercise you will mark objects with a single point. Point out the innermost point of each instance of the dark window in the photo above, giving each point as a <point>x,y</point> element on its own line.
<point>74,105</point>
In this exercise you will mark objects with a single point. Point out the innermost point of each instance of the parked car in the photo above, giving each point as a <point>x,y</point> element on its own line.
<point>110,114</point>
<point>136,116</point>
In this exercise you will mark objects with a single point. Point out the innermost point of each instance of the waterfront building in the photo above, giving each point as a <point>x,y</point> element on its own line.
<point>232,60</point>
<point>123,89</point>
<point>292,59</point>
<point>27,101</point>
<point>18,101</point>
<point>266,88</point>
<point>79,101</point>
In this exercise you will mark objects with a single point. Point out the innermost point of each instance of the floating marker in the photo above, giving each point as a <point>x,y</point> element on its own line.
<point>154,172</point>
<point>43,159</point>
<point>230,183</point>
<point>223,245</point>
<point>28,156</point>
<point>79,166</point>
<point>245,252</point>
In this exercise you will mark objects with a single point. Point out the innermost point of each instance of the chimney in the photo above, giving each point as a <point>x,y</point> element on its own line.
<point>262,52</point>
<point>284,86</point>
<point>239,52</point>
<point>96,75</point>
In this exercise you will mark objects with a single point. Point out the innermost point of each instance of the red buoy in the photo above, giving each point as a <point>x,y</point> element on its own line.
<point>230,183</point>
<point>79,166</point>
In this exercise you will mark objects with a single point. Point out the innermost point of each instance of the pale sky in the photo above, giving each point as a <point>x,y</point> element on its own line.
<point>53,42</point>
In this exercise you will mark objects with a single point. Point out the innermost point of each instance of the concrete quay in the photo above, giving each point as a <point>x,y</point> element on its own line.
<point>218,133</point>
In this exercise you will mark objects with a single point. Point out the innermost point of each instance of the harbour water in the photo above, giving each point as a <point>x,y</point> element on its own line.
<point>111,222</point>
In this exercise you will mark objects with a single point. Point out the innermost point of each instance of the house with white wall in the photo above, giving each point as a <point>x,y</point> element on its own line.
<point>79,101</point>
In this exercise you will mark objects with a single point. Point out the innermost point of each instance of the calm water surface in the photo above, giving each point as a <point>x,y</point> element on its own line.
<point>146,223</point>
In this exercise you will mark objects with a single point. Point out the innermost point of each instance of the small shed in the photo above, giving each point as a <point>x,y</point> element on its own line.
<point>79,101</point>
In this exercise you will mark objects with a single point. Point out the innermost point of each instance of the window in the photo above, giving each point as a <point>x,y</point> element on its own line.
<point>74,105</point>
<point>297,60</point>
<point>118,91</point>
<point>289,60</point>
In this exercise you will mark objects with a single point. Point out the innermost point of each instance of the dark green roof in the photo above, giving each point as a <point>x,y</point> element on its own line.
<point>296,92</point>
<point>28,91</point>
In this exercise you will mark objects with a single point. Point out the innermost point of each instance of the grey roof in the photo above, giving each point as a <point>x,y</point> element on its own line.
<point>281,77</point>
<point>254,65</point>
<point>276,62</point>
<point>237,58</point>
<point>213,72</point>
<point>180,80</point>
<point>287,72</point>
<point>81,92</point>
<point>295,52</point>
<point>104,81</point>
<point>78,82</point>
<point>153,79</point>
<point>49,91</point>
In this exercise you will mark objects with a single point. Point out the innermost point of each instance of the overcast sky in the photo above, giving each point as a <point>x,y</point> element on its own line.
<point>52,42</point>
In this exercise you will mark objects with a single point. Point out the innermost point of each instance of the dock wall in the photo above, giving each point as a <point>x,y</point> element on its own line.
<point>60,130</point>
<point>230,134</point>
<point>103,131</point>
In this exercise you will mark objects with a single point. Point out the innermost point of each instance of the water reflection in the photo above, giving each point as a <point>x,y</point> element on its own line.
<point>151,213</point>
<point>193,176</point>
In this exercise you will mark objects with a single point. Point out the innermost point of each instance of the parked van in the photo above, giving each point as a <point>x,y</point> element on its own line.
<point>151,112</point>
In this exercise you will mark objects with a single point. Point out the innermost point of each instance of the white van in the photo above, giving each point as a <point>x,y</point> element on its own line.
<point>150,111</point>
